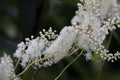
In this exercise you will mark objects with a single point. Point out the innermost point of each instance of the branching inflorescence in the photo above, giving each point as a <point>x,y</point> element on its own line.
<point>92,22</point>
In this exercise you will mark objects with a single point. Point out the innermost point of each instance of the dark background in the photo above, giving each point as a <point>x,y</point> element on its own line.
<point>22,18</point>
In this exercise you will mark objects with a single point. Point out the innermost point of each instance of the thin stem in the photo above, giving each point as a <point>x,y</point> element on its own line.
<point>24,70</point>
<point>72,52</point>
<point>17,63</point>
<point>68,65</point>
<point>37,71</point>
<point>30,64</point>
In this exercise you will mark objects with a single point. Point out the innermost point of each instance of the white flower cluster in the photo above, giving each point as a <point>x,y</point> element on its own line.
<point>89,28</point>
<point>7,68</point>
<point>63,43</point>
<point>34,49</point>
<point>94,19</point>
<point>46,45</point>
<point>91,24</point>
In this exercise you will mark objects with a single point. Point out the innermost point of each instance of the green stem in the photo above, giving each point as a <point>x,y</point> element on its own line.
<point>24,70</point>
<point>72,52</point>
<point>17,63</point>
<point>68,66</point>
<point>30,64</point>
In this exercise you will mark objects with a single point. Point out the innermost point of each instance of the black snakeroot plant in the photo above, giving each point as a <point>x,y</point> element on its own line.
<point>92,22</point>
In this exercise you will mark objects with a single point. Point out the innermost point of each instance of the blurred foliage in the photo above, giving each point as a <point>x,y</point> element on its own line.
<point>22,18</point>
